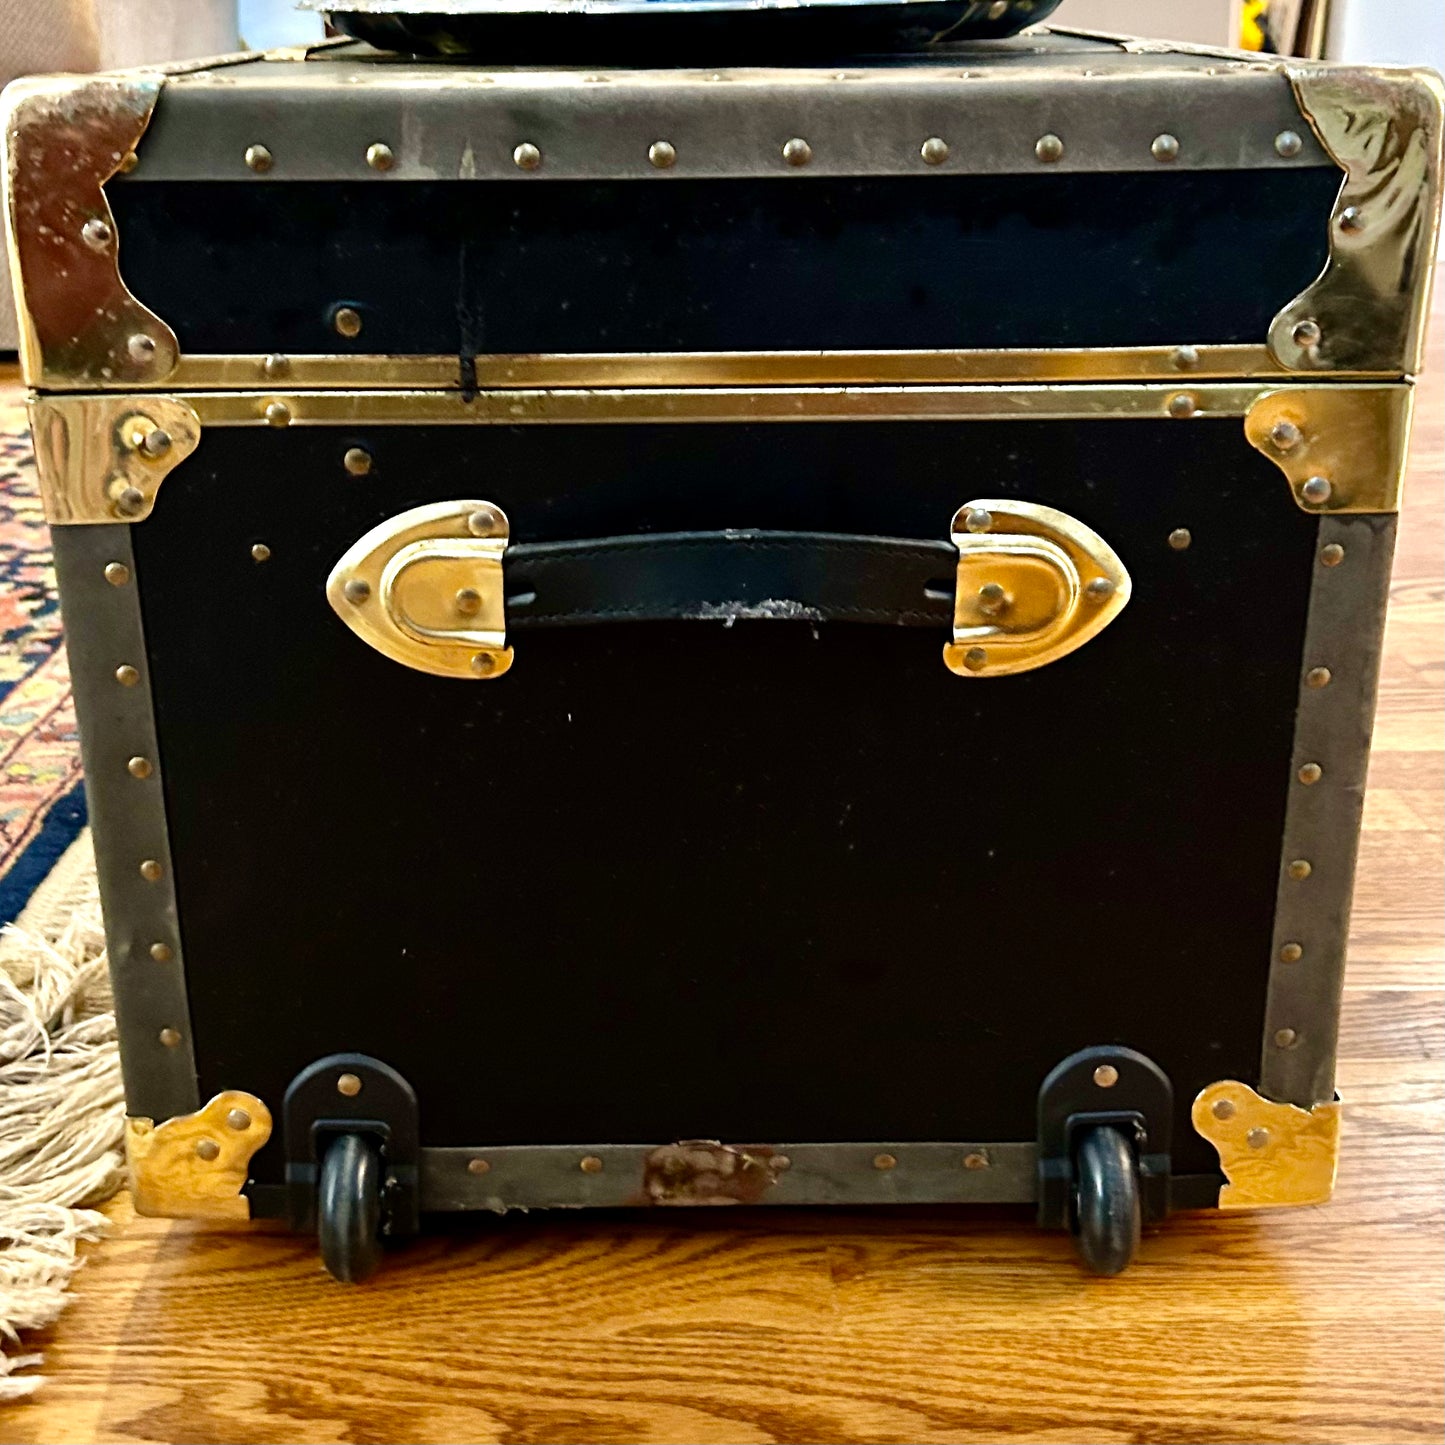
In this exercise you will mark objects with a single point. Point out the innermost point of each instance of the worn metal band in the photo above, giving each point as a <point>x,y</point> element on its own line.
<point>96,571</point>
<point>618,1175</point>
<point>1339,670</point>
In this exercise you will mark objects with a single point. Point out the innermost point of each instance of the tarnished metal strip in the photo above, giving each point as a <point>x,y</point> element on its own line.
<point>1339,670</point>
<point>110,673</point>
<point>703,1173</point>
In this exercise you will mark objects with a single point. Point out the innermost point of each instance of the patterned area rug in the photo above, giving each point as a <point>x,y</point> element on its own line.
<point>42,805</point>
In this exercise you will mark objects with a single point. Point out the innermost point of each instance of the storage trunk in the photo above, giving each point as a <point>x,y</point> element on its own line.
<point>760,635</point>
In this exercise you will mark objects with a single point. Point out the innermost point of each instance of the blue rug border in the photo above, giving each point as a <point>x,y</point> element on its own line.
<point>61,828</point>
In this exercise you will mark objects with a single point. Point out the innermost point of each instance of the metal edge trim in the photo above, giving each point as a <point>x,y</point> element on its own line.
<point>1345,634</point>
<point>127,817</point>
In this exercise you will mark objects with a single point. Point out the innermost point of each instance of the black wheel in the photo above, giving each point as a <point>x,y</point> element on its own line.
<point>348,1208</point>
<point>1106,1208</point>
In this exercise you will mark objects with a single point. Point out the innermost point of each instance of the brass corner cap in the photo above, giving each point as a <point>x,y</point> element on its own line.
<point>194,1165</point>
<point>1271,1154</point>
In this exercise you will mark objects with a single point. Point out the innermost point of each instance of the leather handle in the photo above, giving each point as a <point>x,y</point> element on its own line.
<point>731,575</point>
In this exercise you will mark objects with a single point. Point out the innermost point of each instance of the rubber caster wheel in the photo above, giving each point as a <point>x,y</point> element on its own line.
<point>348,1208</point>
<point>1106,1213</point>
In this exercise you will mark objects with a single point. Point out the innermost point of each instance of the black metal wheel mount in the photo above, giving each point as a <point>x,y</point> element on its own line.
<point>1106,1211</point>
<point>348,1208</point>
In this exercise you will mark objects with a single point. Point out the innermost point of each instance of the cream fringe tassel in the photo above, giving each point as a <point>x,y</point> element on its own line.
<point>61,1107</point>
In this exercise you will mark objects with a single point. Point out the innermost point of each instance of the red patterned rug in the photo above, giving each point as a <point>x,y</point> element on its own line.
<point>42,805</point>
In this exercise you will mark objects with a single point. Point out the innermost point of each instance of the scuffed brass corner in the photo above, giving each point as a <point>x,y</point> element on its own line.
<point>1366,311</point>
<point>1343,449</point>
<point>102,458</point>
<point>1272,1154</point>
<point>194,1166</point>
<point>65,136</point>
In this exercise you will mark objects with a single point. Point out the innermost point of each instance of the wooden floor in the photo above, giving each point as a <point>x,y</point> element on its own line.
<point>1306,1325</point>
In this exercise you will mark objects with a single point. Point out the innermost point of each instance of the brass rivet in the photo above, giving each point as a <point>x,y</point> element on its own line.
<point>1310,774</point>
<point>1099,590</point>
<point>1307,334</point>
<point>1291,953</point>
<point>977,520</point>
<point>1182,406</point>
<point>151,871</point>
<point>781,1163</point>
<point>260,552</point>
<point>156,442</point>
<point>885,1161</point>
<point>662,154</point>
<point>1180,538</point>
<point>483,522</point>
<point>357,461</point>
<point>1257,1138</point>
<point>975,659</point>
<point>379,156</point>
<point>478,1166</point>
<point>128,162</point>
<point>1288,144</point>
<point>161,952</point>
<point>1106,1076</point>
<point>130,501</point>
<point>1285,435</point>
<point>934,150</point>
<point>259,158</point>
<point>207,1149</point>
<point>1285,1039</point>
<point>1222,1109</point>
<point>276,365</point>
<point>1318,677</point>
<point>993,599</point>
<point>348,1085</point>
<point>526,156</point>
<point>468,601</point>
<point>347,322</point>
<point>238,1119</point>
<point>1352,218</point>
<point>1300,869</point>
<point>1165,147</point>
<point>96,234</point>
<point>484,663</point>
<point>141,348</point>
<point>1049,148</point>
<point>139,767</point>
<point>998,9</point>
<point>797,152</point>
<point>1184,358</point>
<point>590,1164</point>
<point>277,413</point>
<point>170,1037</point>
<point>117,574</point>
<point>1332,555</point>
<point>357,590</point>
<point>126,675</point>
<point>977,1160</point>
<point>1316,490</point>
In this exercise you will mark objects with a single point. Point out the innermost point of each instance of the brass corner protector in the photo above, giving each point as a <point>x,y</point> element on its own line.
<point>1342,448</point>
<point>195,1165</point>
<point>1272,1154</point>
<point>64,137</point>
<point>102,458</point>
<point>1367,309</point>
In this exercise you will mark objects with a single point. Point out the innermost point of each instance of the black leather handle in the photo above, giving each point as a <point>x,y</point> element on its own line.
<point>726,576</point>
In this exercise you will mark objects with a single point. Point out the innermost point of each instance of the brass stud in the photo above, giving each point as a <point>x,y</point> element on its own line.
<point>357,461</point>
<point>1099,590</point>
<point>934,150</point>
<point>1288,144</point>
<point>977,1160</point>
<point>1316,490</point>
<point>1223,1109</point>
<point>1257,1138</point>
<point>797,152</point>
<point>155,443</point>
<point>1307,334</point>
<point>885,1162</point>
<point>1318,677</point>
<point>128,162</point>
<point>478,1166</point>
<point>1182,406</point>
<point>1165,147</point>
<point>276,366</point>
<point>468,601</point>
<point>347,322</point>
<point>151,871</point>
<point>356,591</point>
<point>662,154</point>
<point>139,767</point>
<point>348,1085</point>
<point>238,1119</point>
<point>484,521</point>
<point>1285,1038</point>
<point>1180,539</point>
<point>1106,1076</point>
<point>129,501</point>
<point>590,1164</point>
<point>977,519</point>
<point>161,952</point>
<point>998,9</point>
<point>259,159</point>
<point>117,574</point>
<point>379,156</point>
<point>1331,555</point>
<point>781,1163</point>
<point>1049,148</point>
<point>1352,219</point>
<point>484,663</point>
<point>1300,869</point>
<point>126,675</point>
<point>1184,358</point>
<point>975,659</point>
<point>1310,774</point>
<point>277,413</point>
<point>260,552</point>
<point>1285,435</point>
<point>141,348</point>
<point>170,1037</point>
<point>526,156</point>
<point>96,234</point>
<point>1291,953</point>
<point>207,1149</point>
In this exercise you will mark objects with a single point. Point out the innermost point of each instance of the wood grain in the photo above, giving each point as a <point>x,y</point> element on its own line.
<point>1321,1324</point>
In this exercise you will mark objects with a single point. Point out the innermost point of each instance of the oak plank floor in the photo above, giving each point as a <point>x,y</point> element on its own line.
<point>1306,1325</point>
